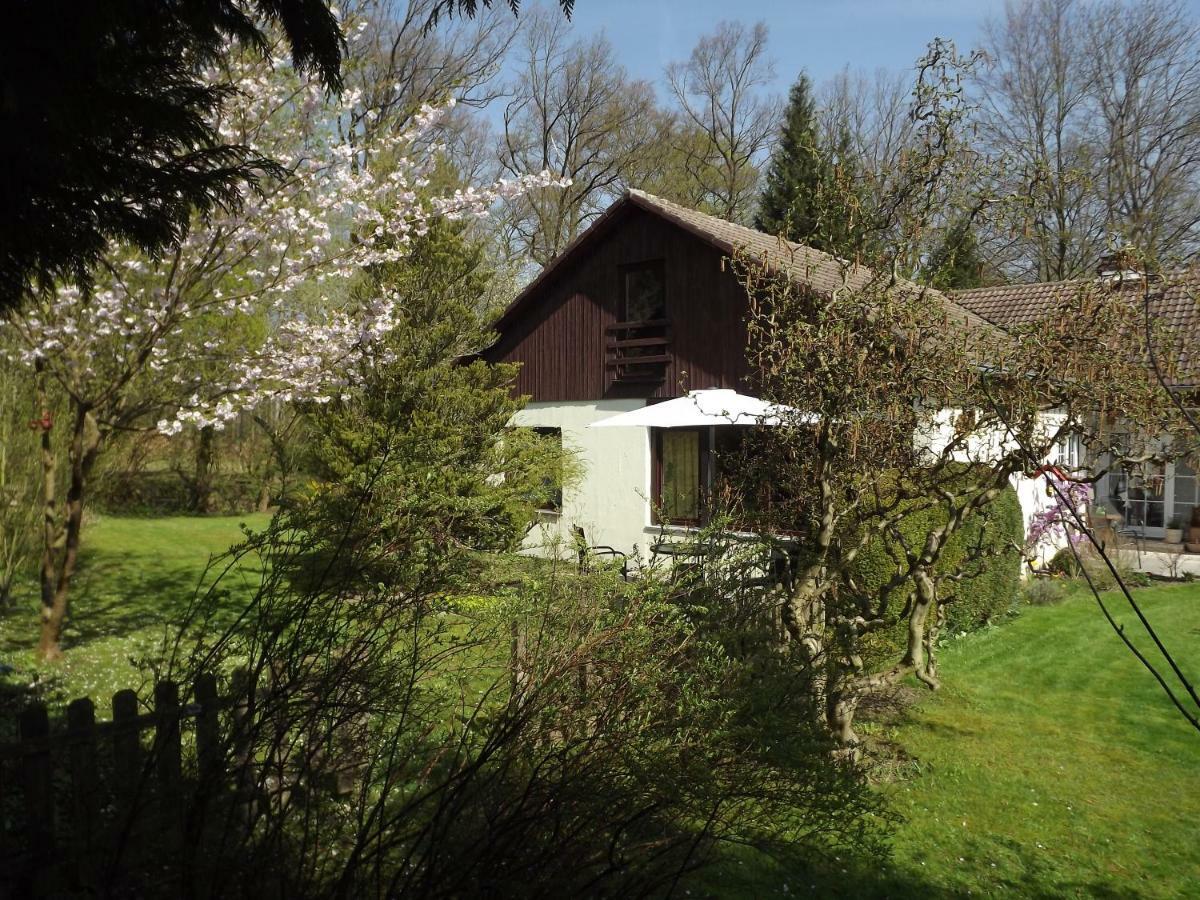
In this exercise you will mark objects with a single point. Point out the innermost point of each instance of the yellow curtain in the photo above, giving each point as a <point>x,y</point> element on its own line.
<point>681,474</point>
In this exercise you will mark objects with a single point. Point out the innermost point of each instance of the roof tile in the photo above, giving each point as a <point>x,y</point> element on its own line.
<point>1174,302</point>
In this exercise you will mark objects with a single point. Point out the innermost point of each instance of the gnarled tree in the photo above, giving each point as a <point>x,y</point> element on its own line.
<point>910,418</point>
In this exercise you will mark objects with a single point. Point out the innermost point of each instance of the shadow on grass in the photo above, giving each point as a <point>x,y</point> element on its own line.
<point>797,874</point>
<point>743,874</point>
<point>115,595</point>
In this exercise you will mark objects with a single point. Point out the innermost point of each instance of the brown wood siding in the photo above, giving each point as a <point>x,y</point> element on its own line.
<point>559,337</point>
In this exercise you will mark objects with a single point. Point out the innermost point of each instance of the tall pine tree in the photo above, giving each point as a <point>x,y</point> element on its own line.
<point>788,205</point>
<point>811,192</point>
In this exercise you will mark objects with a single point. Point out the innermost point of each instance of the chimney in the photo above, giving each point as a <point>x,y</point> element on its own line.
<point>1118,266</point>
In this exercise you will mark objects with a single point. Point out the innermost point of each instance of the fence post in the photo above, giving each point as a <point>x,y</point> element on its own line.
<point>240,694</point>
<point>34,726</point>
<point>127,765</point>
<point>85,787</point>
<point>208,742</point>
<point>198,868</point>
<point>168,765</point>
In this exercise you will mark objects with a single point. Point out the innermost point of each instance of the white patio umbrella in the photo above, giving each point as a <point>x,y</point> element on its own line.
<point>703,408</point>
<point>707,408</point>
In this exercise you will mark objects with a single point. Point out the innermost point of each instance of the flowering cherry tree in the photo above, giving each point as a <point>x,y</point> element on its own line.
<point>252,305</point>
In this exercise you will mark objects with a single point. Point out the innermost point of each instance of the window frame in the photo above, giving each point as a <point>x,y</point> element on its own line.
<point>555,504</point>
<point>705,462</point>
<point>623,271</point>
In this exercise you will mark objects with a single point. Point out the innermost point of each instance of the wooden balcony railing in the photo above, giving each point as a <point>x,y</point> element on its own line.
<point>638,351</point>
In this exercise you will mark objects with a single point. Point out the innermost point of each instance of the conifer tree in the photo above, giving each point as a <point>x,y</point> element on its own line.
<point>788,204</point>
<point>812,190</point>
<point>956,263</point>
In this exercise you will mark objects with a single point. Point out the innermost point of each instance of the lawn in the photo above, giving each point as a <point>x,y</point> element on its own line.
<point>1049,765</point>
<point>136,576</point>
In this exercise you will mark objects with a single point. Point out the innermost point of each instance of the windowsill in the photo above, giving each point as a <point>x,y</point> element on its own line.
<point>548,513</point>
<point>671,529</point>
<point>685,530</point>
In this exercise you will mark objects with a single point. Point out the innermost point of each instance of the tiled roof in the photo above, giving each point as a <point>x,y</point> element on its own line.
<point>813,268</point>
<point>1174,304</point>
<point>807,266</point>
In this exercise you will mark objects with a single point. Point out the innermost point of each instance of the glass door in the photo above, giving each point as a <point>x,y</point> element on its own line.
<point>1140,498</point>
<point>1184,487</point>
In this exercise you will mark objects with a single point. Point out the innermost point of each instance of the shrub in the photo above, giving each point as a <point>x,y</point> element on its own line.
<point>984,549</point>
<point>1098,572</point>
<point>1044,591</point>
<point>164,493</point>
<point>1063,563</point>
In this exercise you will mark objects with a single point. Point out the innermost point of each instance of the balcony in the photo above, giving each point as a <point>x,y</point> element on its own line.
<point>638,352</point>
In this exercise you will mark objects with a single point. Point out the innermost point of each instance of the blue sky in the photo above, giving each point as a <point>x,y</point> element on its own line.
<point>821,36</point>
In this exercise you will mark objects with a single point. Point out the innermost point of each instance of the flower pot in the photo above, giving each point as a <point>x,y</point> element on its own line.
<point>1192,547</point>
<point>1174,535</point>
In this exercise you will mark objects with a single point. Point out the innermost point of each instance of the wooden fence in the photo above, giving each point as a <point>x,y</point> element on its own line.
<point>84,804</point>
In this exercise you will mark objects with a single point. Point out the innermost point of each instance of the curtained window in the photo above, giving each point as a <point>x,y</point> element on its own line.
<point>681,457</point>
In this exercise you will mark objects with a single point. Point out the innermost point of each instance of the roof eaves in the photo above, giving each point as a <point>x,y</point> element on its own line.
<point>598,226</point>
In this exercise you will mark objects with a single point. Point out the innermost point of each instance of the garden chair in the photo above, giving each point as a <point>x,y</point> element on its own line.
<point>587,553</point>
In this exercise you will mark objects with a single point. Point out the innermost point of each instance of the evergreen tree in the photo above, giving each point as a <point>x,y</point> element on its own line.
<point>956,264</point>
<point>812,190</point>
<point>111,127</point>
<point>407,461</point>
<point>788,205</point>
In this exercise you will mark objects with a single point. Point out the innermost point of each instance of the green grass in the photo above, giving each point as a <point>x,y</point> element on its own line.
<point>136,577</point>
<point>1049,765</point>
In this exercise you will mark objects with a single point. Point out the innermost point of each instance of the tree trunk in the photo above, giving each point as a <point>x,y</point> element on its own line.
<point>202,489</point>
<point>50,526</point>
<point>60,552</point>
<point>926,597</point>
<point>841,705</point>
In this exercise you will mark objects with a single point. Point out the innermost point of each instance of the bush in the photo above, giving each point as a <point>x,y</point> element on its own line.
<point>984,548</point>
<point>1098,572</point>
<point>165,493</point>
<point>1044,591</point>
<point>1063,563</point>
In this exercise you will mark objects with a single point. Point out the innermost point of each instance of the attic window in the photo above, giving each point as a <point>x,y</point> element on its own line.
<point>643,292</point>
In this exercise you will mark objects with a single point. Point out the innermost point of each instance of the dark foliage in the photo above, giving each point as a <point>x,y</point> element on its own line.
<point>469,8</point>
<point>983,558</point>
<point>108,123</point>
<point>808,196</point>
<point>956,263</point>
<point>789,200</point>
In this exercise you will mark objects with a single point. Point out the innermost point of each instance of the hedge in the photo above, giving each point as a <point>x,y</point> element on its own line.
<point>163,492</point>
<point>993,581</point>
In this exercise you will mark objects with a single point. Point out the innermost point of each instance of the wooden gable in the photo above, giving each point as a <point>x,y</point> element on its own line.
<point>563,328</point>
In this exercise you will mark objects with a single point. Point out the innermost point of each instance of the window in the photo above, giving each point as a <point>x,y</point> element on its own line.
<point>1069,453</point>
<point>1187,491</point>
<point>692,466</point>
<point>1139,496</point>
<point>680,461</point>
<point>551,500</point>
<point>643,292</point>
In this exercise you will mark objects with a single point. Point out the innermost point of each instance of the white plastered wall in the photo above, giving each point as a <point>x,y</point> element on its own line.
<point>1031,492</point>
<point>609,499</point>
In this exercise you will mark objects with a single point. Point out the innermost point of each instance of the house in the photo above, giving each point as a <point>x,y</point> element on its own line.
<point>1146,503</point>
<point>640,308</point>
